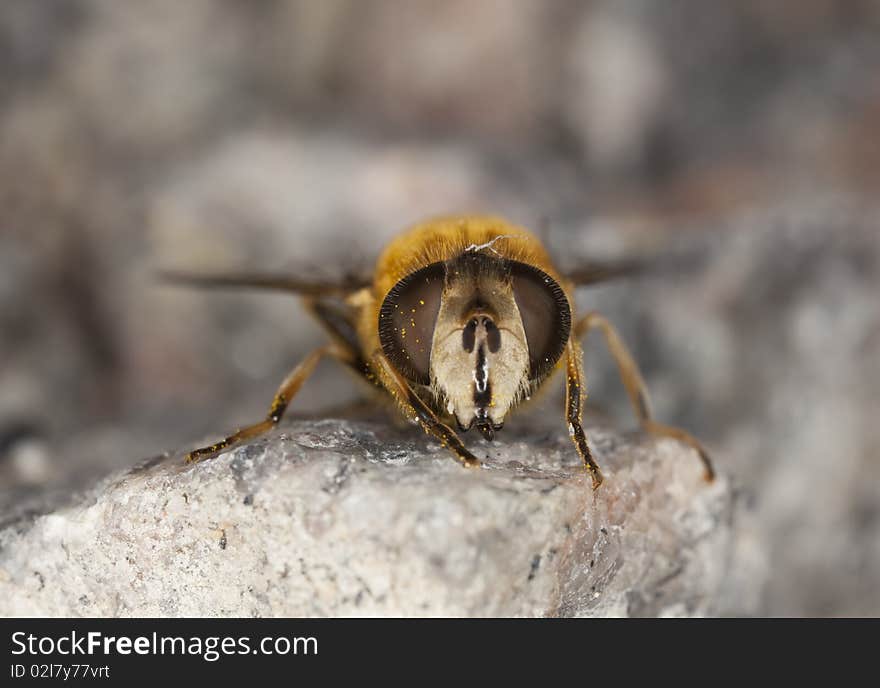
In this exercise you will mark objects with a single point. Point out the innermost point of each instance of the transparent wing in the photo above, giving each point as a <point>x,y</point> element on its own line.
<point>305,286</point>
<point>594,272</point>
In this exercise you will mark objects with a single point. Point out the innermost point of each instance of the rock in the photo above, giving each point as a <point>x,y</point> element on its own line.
<point>768,347</point>
<point>331,517</point>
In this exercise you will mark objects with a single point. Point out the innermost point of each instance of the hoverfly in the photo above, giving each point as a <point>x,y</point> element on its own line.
<point>464,319</point>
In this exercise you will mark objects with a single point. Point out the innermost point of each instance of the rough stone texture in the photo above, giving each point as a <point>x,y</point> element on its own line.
<point>768,347</point>
<point>356,518</point>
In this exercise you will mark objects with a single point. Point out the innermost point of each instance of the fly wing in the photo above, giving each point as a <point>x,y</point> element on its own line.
<point>669,263</point>
<point>304,286</point>
<point>594,272</point>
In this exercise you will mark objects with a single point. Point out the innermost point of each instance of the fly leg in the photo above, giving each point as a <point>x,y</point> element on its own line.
<point>574,402</point>
<point>283,397</point>
<point>414,407</point>
<point>636,389</point>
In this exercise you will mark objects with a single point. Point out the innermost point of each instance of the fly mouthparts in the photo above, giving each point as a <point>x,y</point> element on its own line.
<point>487,431</point>
<point>487,428</point>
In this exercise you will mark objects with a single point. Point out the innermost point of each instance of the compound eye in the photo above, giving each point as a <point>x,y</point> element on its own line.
<point>545,313</point>
<point>407,319</point>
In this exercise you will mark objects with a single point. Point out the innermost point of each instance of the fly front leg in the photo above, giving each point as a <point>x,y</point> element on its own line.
<point>574,403</point>
<point>414,407</point>
<point>283,397</point>
<point>636,388</point>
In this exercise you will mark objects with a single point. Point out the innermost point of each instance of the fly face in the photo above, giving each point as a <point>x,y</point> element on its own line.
<point>479,353</point>
<point>479,330</point>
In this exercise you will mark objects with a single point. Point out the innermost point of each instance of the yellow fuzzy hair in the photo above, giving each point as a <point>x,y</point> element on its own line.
<point>447,237</point>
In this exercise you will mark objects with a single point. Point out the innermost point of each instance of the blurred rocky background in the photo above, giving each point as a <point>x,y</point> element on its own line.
<point>300,136</point>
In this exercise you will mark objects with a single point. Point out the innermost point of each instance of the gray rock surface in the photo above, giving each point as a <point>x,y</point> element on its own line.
<point>358,518</point>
